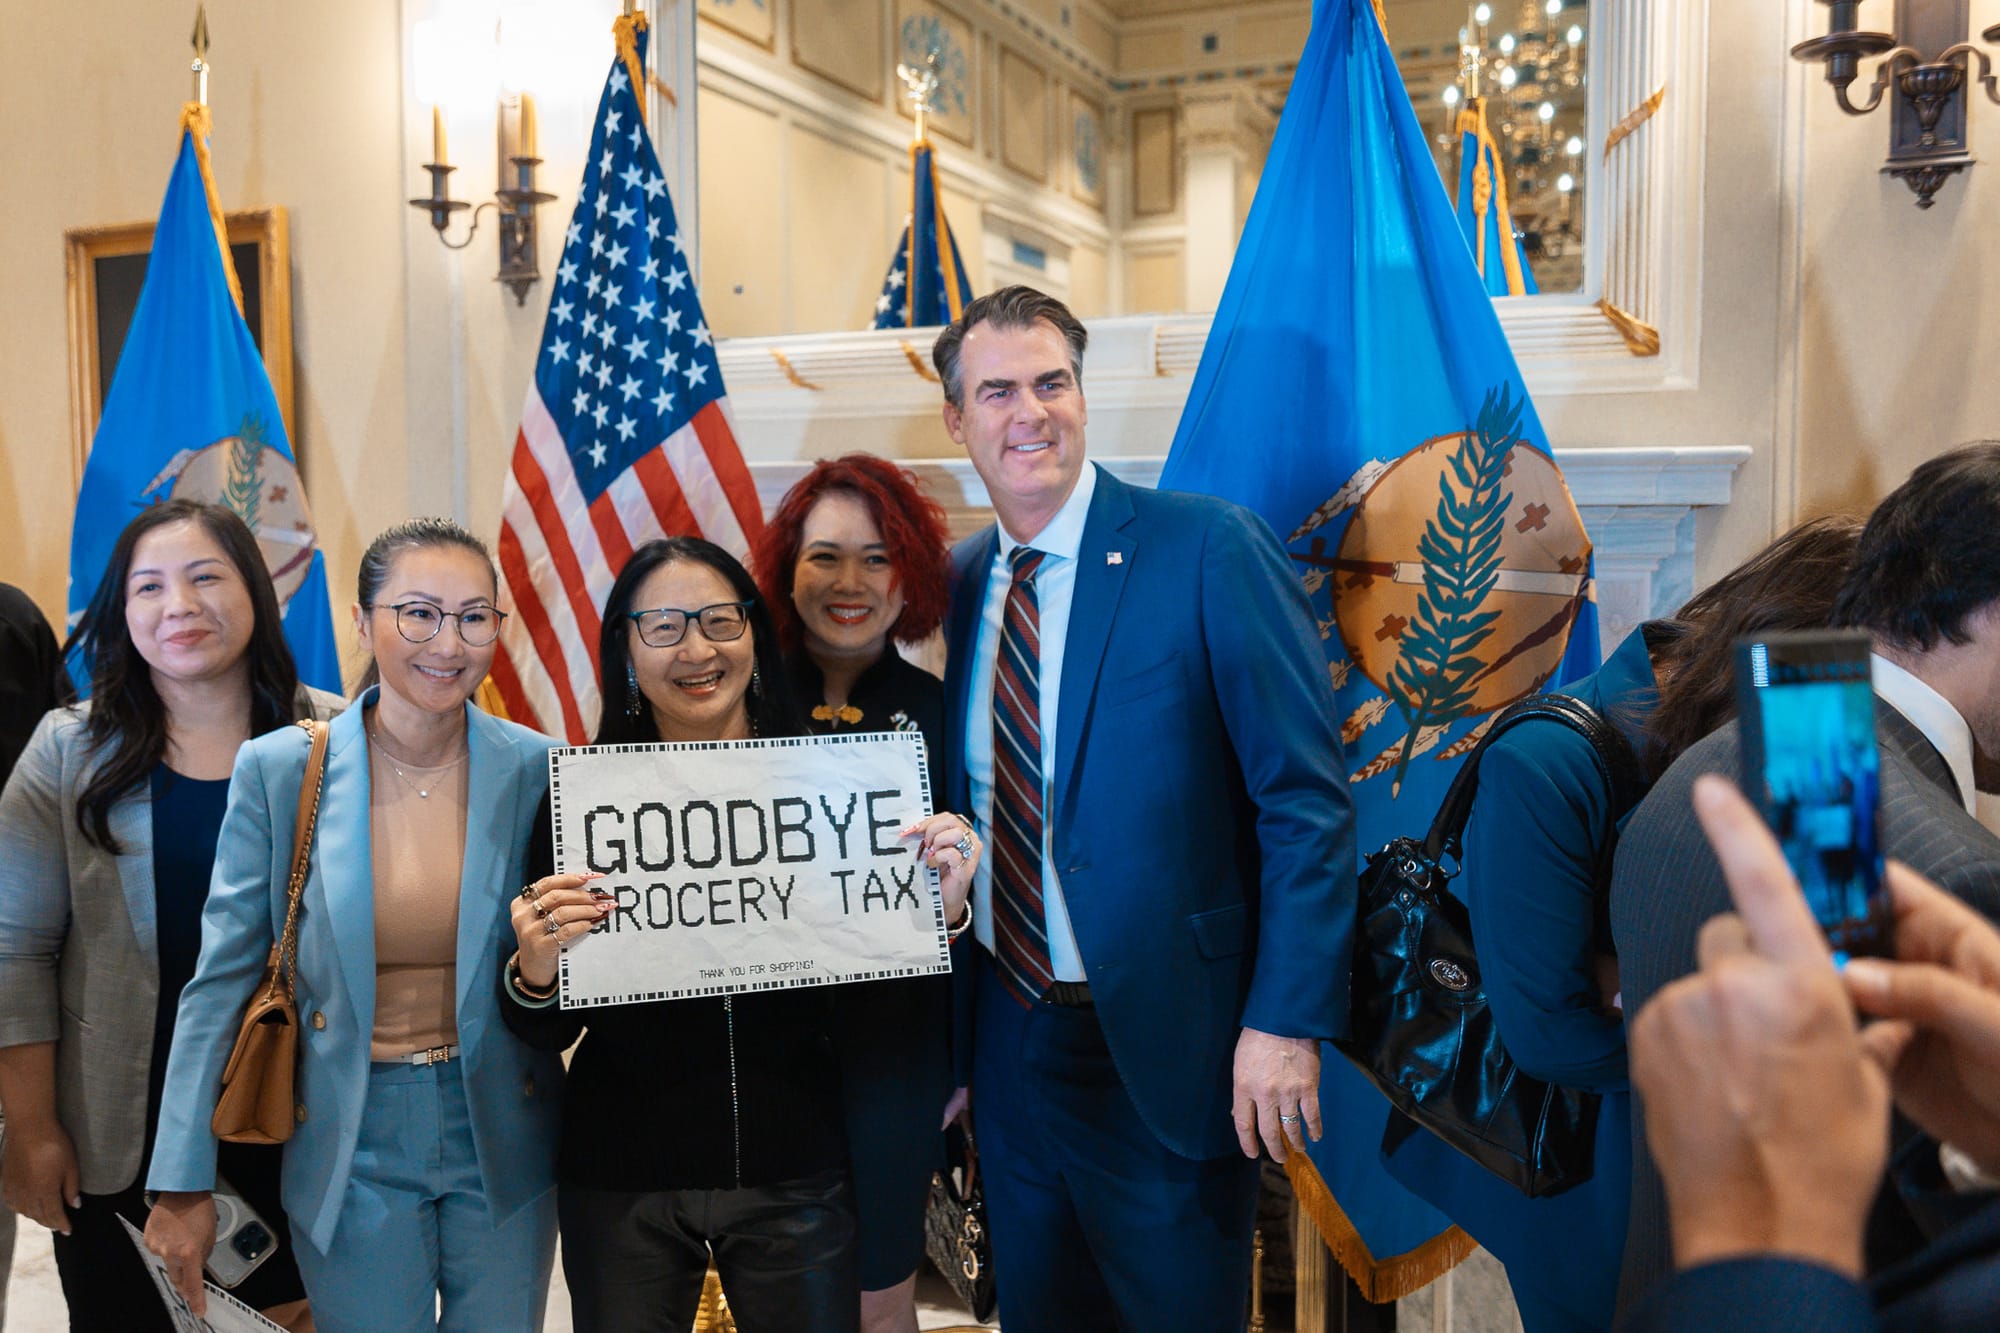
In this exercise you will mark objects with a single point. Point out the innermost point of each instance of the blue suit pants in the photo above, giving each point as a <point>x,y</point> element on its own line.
<point>416,1248</point>
<point>1096,1224</point>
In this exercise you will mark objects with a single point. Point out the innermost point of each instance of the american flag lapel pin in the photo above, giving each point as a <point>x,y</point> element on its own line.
<point>1114,557</point>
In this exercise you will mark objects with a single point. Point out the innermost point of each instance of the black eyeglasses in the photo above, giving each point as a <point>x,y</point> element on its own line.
<point>419,622</point>
<point>665,626</point>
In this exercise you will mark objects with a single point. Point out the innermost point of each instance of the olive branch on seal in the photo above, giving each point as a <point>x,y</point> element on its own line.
<point>243,490</point>
<point>1432,682</point>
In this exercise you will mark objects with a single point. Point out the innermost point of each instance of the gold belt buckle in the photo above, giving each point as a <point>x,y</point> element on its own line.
<point>436,1055</point>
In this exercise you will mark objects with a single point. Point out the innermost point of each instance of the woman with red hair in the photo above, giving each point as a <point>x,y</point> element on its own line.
<point>852,563</point>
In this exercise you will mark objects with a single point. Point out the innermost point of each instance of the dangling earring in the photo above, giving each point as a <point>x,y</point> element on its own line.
<point>631,689</point>
<point>756,684</point>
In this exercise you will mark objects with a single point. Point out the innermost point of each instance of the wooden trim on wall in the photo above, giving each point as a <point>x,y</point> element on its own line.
<point>268,228</point>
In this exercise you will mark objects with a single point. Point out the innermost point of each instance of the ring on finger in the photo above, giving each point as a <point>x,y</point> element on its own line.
<point>964,846</point>
<point>1288,1119</point>
<point>540,911</point>
<point>550,924</point>
<point>528,893</point>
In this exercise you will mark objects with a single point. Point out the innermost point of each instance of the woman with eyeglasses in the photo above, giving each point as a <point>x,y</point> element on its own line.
<point>698,1127</point>
<point>419,1173</point>
<point>852,563</point>
<point>107,833</point>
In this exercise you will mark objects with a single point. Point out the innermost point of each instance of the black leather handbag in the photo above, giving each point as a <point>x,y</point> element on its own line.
<point>955,1235</point>
<point>1421,1029</point>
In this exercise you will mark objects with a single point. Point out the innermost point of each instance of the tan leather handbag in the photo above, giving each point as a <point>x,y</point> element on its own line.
<point>257,1103</point>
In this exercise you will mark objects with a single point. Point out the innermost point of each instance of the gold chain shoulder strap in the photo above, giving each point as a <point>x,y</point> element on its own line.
<point>309,791</point>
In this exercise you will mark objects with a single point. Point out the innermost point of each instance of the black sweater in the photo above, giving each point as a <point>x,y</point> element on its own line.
<point>690,1094</point>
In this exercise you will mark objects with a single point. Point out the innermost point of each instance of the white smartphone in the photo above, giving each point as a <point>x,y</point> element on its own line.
<point>243,1239</point>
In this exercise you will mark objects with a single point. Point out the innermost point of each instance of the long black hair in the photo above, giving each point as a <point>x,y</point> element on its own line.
<point>770,705</point>
<point>128,720</point>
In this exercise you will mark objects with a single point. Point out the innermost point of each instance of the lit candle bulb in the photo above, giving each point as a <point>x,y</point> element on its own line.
<point>437,135</point>
<point>528,127</point>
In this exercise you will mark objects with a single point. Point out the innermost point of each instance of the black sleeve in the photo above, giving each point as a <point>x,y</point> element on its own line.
<point>551,1027</point>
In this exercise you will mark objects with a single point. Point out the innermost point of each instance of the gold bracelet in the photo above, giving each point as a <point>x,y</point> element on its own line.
<point>520,983</point>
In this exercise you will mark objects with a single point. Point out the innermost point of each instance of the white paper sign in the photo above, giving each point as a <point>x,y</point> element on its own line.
<point>747,865</point>
<point>226,1314</point>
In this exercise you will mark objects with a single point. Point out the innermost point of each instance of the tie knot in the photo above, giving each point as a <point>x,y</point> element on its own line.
<point>1026,560</point>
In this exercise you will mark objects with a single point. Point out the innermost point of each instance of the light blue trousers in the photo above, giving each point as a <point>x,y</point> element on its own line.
<point>415,1247</point>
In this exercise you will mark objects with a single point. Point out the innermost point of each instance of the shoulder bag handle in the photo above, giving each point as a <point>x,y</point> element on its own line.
<point>1616,764</point>
<point>302,838</point>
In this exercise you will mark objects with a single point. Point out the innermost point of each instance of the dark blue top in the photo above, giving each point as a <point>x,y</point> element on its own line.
<point>1540,828</point>
<point>187,819</point>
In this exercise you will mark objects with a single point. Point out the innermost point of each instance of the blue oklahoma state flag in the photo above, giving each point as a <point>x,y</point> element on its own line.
<point>1356,390</point>
<point>191,415</point>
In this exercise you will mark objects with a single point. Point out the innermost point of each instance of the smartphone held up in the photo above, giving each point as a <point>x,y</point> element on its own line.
<point>1805,706</point>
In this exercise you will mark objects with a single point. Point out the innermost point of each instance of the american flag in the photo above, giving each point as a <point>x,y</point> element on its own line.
<point>626,435</point>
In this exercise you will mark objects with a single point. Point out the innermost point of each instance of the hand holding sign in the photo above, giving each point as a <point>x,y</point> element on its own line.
<point>550,913</point>
<point>735,866</point>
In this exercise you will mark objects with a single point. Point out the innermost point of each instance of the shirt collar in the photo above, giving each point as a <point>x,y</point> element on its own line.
<point>1063,536</point>
<point>1932,714</point>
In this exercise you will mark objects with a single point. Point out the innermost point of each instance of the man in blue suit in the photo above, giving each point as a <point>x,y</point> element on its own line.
<point>1142,725</point>
<point>1769,1110</point>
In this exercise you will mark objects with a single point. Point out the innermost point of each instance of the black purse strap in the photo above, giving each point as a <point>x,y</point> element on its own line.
<point>1616,764</point>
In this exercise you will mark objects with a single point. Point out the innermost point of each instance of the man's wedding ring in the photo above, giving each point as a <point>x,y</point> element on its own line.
<point>1288,1120</point>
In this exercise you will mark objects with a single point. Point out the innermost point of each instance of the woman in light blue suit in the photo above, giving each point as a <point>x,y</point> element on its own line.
<point>422,1165</point>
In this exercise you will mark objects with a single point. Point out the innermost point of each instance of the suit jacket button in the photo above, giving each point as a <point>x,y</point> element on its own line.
<point>528,1086</point>
<point>299,1112</point>
<point>319,1021</point>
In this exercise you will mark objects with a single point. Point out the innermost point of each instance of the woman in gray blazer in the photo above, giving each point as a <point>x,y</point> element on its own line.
<point>109,821</point>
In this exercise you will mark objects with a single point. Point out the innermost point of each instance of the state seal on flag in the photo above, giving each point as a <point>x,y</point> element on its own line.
<point>1456,579</point>
<point>261,486</point>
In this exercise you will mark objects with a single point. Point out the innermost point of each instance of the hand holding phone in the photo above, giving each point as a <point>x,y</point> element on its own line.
<point>1806,715</point>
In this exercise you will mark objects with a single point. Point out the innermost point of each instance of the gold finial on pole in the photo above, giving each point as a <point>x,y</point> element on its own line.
<point>199,69</point>
<point>921,82</point>
<point>1469,54</point>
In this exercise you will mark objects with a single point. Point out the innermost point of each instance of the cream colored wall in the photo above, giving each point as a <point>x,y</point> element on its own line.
<point>306,102</point>
<point>1900,311</point>
<point>805,160</point>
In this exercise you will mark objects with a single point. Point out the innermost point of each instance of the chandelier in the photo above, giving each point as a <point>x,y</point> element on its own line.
<point>1531,76</point>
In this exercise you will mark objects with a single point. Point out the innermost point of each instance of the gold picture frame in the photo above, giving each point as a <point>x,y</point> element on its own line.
<point>103,282</point>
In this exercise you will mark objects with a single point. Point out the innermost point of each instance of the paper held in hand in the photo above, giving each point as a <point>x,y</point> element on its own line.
<point>226,1314</point>
<point>747,865</point>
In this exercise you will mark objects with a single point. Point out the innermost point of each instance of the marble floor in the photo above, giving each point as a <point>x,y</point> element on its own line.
<point>1473,1299</point>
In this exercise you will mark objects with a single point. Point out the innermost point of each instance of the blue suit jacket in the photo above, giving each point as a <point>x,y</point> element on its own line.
<point>1200,819</point>
<point>514,1091</point>
<point>1952,1284</point>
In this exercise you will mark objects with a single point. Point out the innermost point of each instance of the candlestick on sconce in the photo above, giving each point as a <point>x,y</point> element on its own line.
<point>516,200</point>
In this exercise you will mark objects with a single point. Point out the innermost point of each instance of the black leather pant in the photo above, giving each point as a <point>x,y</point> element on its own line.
<point>786,1254</point>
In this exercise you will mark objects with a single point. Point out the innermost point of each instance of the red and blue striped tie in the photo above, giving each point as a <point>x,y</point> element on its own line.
<point>1020,931</point>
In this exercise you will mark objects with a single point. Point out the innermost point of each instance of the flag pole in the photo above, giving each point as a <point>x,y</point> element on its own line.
<point>199,69</point>
<point>195,122</point>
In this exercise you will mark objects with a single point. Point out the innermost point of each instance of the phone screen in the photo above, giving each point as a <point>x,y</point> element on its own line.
<point>1806,708</point>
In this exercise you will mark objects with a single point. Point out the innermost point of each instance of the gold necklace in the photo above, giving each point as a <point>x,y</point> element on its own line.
<point>422,793</point>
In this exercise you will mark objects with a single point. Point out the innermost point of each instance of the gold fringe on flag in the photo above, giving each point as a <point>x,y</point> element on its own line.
<point>487,697</point>
<point>1641,338</point>
<point>785,364</point>
<point>195,121</point>
<point>1638,116</point>
<point>1381,1280</point>
<point>917,363</point>
<point>660,87</point>
<point>625,29</point>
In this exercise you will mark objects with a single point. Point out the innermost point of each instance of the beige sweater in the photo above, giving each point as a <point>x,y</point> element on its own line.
<point>418,844</point>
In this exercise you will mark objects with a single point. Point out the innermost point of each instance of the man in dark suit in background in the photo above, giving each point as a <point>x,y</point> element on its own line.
<point>1926,585</point>
<point>1142,726</point>
<point>1770,1109</point>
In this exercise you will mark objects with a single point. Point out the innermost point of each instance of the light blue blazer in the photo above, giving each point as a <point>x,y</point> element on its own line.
<point>514,1092</point>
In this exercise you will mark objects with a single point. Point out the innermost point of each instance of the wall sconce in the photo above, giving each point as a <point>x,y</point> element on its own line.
<point>1927,119</point>
<point>456,62</point>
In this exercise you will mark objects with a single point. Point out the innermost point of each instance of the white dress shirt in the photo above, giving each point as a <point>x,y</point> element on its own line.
<point>1932,714</point>
<point>1055,583</point>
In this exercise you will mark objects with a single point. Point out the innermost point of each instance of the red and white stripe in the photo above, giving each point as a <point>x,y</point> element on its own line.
<point>558,555</point>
